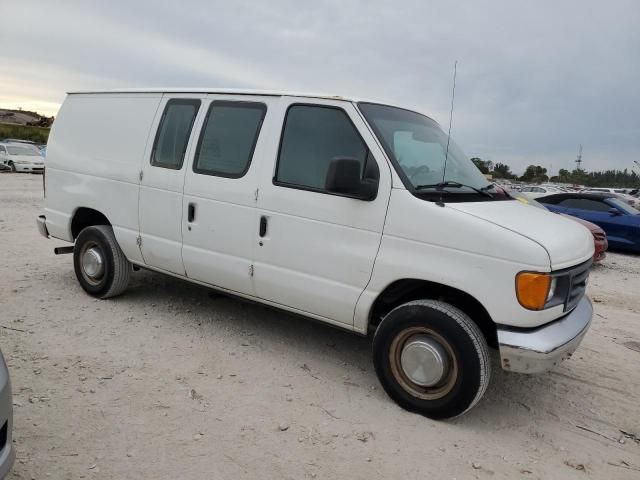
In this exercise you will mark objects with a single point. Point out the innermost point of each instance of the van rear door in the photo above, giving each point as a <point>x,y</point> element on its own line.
<point>161,185</point>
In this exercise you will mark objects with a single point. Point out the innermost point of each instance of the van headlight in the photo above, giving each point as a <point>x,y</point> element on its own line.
<point>537,291</point>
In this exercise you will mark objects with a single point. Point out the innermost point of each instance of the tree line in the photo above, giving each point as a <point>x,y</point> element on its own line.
<point>538,174</point>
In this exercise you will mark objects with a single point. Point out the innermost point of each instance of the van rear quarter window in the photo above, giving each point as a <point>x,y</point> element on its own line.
<point>173,133</point>
<point>228,138</point>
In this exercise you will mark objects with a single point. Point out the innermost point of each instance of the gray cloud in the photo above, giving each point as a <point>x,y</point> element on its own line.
<point>535,79</point>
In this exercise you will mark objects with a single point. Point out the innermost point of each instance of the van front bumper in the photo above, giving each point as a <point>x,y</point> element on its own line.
<point>540,349</point>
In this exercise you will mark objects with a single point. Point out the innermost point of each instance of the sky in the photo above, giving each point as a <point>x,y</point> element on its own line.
<point>534,79</point>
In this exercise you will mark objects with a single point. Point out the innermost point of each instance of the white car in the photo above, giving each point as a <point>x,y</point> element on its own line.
<point>346,211</point>
<point>533,192</point>
<point>621,193</point>
<point>603,189</point>
<point>21,157</point>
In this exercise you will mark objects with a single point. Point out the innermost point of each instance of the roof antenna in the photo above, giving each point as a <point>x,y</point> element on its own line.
<point>446,155</point>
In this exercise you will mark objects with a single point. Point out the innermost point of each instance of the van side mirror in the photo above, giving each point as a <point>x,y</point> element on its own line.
<point>614,212</point>
<point>343,176</point>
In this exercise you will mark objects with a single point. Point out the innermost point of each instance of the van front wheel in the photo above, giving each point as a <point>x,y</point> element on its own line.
<point>100,265</point>
<point>431,358</point>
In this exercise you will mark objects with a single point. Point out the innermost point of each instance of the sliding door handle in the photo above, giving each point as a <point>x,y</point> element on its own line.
<point>191,212</point>
<point>263,226</point>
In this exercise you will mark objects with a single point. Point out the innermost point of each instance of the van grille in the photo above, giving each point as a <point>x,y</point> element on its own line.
<point>578,277</point>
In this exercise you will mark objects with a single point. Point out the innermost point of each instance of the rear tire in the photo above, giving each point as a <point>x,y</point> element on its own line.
<point>431,358</point>
<point>101,267</point>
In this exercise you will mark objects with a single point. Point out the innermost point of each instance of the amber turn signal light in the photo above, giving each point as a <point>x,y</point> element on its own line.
<point>532,289</point>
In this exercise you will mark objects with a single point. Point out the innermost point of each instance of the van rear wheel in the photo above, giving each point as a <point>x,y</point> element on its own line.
<point>100,265</point>
<point>431,358</point>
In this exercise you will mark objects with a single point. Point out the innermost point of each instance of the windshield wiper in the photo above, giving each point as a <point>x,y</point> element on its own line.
<point>450,184</point>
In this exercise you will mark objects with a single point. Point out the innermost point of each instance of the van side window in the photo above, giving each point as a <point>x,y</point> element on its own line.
<point>228,138</point>
<point>312,136</point>
<point>173,134</point>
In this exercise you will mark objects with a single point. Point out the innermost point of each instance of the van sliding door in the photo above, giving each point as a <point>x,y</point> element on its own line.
<point>219,215</point>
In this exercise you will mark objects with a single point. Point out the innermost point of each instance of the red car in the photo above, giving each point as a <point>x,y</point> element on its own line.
<point>599,236</point>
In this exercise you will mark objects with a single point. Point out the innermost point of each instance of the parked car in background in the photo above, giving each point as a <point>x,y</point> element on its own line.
<point>630,199</point>
<point>536,191</point>
<point>17,140</point>
<point>600,242</point>
<point>21,157</point>
<point>7,453</point>
<point>628,195</point>
<point>604,190</point>
<point>619,220</point>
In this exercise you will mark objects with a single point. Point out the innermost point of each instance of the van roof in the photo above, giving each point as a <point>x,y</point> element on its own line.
<point>241,91</point>
<point>228,91</point>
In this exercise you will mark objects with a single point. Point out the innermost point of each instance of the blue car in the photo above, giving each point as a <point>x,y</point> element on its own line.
<point>618,219</point>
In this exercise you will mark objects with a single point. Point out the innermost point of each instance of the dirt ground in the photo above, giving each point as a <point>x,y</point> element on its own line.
<point>171,381</point>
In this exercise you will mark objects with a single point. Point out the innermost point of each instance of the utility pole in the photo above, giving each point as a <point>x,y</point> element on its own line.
<point>579,159</point>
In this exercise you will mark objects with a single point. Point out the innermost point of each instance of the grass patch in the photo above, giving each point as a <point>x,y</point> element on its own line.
<point>22,132</point>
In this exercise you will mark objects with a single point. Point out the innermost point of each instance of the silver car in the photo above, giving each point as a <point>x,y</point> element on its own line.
<point>7,454</point>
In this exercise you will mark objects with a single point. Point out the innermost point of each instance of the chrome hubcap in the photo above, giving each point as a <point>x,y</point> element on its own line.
<point>424,361</point>
<point>92,263</point>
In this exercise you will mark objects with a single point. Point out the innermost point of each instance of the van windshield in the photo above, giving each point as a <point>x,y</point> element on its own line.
<point>418,147</point>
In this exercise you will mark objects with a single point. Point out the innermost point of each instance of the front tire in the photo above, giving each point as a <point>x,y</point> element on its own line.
<point>431,358</point>
<point>12,167</point>
<point>101,267</point>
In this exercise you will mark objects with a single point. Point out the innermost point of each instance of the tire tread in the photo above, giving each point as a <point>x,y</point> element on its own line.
<point>474,333</point>
<point>121,266</point>
<point>476,336</point>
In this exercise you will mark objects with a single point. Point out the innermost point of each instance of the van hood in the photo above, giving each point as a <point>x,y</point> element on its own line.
<point>567,242</point>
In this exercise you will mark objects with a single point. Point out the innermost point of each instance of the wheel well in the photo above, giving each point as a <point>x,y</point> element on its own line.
<point>86,217</point>
<point>402,291</point>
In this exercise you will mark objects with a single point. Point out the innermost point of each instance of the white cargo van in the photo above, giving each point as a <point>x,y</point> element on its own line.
<point>345,211</point>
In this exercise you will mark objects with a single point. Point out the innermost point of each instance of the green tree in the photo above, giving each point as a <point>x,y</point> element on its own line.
<point>485,166</point>
<point>502,170</point>
<point>535,173</point>
<point>564,175</point>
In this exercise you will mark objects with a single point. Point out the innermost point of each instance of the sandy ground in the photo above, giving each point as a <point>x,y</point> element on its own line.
<point>172,381</point>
